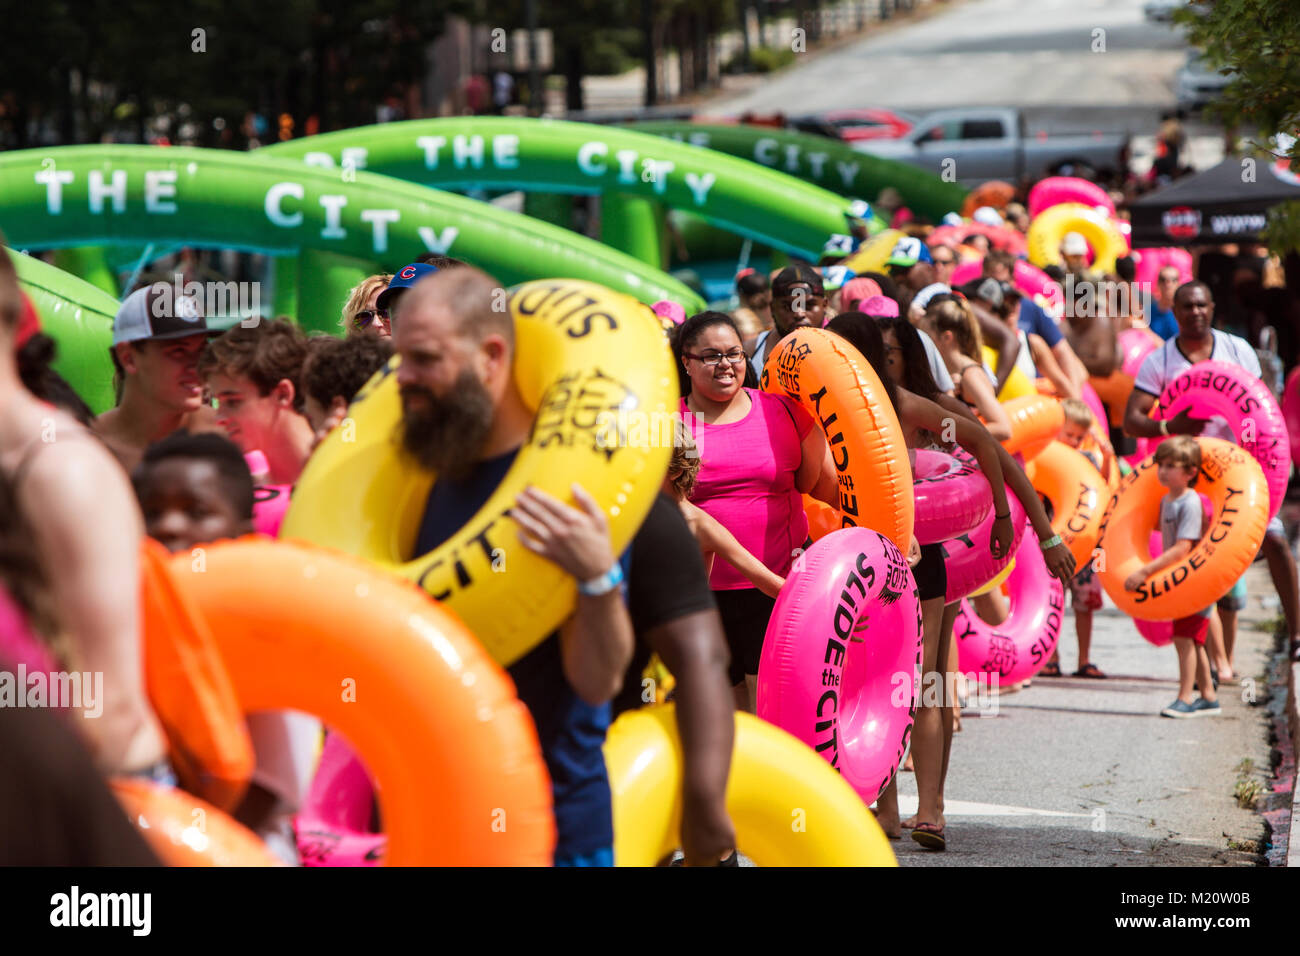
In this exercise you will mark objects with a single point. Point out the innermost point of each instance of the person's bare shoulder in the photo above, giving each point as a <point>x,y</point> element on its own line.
<point>107,429</point>
<point>75,471</point>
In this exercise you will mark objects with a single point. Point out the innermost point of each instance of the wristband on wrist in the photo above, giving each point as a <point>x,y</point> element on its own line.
<point>1164,427</point>
<point>603,584</point>
<point>1050,543</point>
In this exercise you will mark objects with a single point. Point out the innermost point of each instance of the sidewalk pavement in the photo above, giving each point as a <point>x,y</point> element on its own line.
<point>1079,772</point>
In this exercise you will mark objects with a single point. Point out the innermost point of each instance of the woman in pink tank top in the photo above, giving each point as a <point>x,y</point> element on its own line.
<point>758,454</point>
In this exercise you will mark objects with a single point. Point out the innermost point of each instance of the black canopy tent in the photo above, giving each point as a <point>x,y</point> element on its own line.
<point>1228,203</point>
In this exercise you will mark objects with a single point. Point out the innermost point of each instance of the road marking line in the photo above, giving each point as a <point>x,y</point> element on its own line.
<point>961,808</point>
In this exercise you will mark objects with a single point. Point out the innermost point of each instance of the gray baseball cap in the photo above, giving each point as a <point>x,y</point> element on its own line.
<point>156,313</point>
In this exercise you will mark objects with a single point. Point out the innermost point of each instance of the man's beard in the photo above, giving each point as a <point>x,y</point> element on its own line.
<point>447,435</point>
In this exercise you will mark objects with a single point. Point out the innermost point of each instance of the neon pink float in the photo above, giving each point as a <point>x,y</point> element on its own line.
<point>999,237</point>
<point>842,656</point>
<point>1093,401</point>
<point>1291,413</point>
<point>332,828</point>
<point>1213,388</point>
<point>270,502</point>
<point>1016,649</point>
<point>967,559</point>
<point>1134,347</point>
<point>1058,189</point>
<point>952,497</point>
<point>1029,279</point>
<point>1151,261</point>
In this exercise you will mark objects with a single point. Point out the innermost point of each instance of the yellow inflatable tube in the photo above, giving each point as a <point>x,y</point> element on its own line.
<point>596,367</point>
<point>1017,384</point>
<point>871,256</point>
<point>1096,225</point>
<point>789,806</point>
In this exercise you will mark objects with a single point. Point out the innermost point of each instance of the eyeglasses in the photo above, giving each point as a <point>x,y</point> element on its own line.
<point>364,318</point>
<point>713,359</point>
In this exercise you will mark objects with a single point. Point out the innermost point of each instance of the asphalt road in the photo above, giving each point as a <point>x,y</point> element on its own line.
<point>1037,55</point>
<point>1078,772</point>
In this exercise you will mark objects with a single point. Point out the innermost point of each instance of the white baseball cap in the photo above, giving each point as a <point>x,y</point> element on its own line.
<point>1073,244</point>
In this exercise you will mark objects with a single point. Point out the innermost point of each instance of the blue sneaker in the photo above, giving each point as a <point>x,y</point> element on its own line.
<point>1206,708</point>
<point>1180,709</point>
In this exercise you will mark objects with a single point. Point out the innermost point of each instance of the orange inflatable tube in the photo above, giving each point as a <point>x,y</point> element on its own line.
<point>186,831</point>
<point>1078,493</point>
<point>1235,485</point>
<point>452,751</point>
<point>841,391</point>
<point>822,518</point>
<point>1114,390</point>
<point>1035,422</point>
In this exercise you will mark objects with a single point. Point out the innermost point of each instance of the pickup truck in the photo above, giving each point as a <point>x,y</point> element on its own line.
<point>977,144</point>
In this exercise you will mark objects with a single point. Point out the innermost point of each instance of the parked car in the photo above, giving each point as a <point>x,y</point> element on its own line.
<point>977,144</point>
<point>1198,84</point>
<point>852,126</point>
<point>1162,11</point>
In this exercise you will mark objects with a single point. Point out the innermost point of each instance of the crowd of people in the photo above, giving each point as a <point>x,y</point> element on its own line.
<point>205,420</point>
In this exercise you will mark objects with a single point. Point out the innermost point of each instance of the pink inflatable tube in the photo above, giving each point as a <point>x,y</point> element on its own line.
<point>1017,648</point>
<point>952,497</point>
<point>841,660</point>
<point>1161,633</point>
<point>1151,261</point>
<point>1093,401</point>
<point>1029,279</point>
<point>1134,347</point>
<point>1217,388</point>
<point>999,237</point>
<point>270,502</point>
<point>1058,189</point>
<point>967,560</point>
<point>1291,413</point>
<point>332,829</point>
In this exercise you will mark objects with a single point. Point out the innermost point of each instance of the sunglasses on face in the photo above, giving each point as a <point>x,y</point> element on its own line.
<point>366,317</point>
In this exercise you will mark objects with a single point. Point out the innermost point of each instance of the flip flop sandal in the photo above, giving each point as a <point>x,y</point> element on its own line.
<point>1090,670</point>
<point>1050,670</point>
<point>930,836</point>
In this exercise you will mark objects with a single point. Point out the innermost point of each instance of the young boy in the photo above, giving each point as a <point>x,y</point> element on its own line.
<point>1085,587</point>
<point>1178,460</point>
<point>334,371</point>
<point>255,374</point>
<point>194,489</point>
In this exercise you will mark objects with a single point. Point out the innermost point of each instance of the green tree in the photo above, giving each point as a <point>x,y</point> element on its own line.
<point>1259,42</point>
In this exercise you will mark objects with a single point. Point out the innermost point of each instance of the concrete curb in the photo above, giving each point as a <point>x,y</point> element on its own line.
<point>1293,725</point>
<point>1284,806</point>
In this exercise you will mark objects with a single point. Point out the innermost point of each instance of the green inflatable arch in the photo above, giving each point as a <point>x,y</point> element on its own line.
<point>819,160</point>
<point>79,317</point>
<point>582,158</point>
<point>90,195</point>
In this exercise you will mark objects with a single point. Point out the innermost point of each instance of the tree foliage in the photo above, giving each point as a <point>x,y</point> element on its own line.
<point>95,68</point>
<point>1257,42</point>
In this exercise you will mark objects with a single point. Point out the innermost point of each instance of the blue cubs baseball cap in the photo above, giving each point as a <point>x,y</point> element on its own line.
<point>406,277</point>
